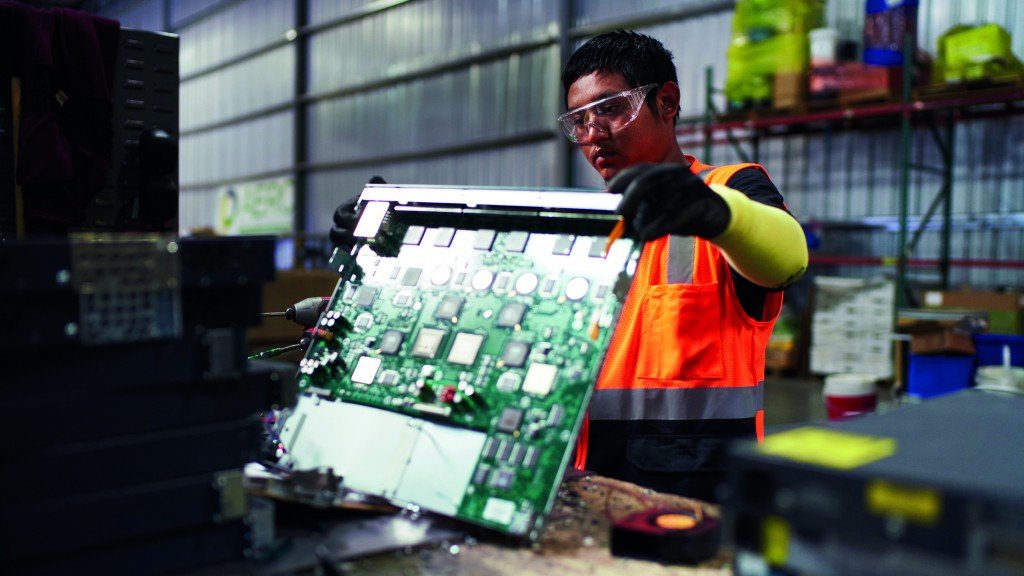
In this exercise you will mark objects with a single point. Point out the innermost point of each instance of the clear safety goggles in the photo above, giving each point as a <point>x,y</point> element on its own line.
<point>607,114</point>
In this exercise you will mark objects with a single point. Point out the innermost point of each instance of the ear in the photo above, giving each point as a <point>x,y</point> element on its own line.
<point>668,101</point>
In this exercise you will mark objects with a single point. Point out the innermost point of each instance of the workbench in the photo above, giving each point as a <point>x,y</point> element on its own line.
<point>574,540</point>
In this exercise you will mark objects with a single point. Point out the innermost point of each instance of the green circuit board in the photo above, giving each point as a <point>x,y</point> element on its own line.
<point>497,334</point>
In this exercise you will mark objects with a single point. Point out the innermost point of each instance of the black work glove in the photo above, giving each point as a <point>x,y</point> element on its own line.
<point>660,199</point>
<point>346,216</point>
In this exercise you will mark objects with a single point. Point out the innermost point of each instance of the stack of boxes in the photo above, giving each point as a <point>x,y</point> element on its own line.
<point>851,326</point>
<point>768,52</point>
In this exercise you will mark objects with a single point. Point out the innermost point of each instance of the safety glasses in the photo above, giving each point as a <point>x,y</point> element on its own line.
<point>607,114</point>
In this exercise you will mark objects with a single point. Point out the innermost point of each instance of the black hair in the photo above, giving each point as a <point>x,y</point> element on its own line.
<point>638,58</point>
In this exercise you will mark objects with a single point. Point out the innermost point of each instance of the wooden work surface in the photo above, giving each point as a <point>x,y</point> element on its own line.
<point>575,540</point>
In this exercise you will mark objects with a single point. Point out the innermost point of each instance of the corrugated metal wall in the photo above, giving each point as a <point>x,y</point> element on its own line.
<point>466,91</point>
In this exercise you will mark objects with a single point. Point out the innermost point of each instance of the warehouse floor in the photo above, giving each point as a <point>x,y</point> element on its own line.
<point>791,400</point>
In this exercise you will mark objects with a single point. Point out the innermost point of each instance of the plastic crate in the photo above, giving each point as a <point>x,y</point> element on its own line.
<point>989,349</point>
<point>929,376</point>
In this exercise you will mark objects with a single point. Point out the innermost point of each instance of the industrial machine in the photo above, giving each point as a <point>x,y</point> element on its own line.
<point>933,488</point>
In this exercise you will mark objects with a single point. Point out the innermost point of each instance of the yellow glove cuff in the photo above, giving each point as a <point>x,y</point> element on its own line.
<point>763,243</point>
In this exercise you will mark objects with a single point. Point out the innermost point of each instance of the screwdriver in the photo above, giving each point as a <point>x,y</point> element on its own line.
<point>305,312</point>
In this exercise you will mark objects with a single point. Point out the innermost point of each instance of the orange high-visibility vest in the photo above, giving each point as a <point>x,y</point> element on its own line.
<point>683,348</point>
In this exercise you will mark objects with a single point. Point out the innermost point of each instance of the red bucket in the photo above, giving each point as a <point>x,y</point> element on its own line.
<point>849,395</point>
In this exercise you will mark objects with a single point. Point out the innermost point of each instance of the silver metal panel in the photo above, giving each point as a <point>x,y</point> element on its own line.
<point>234,31</point>
<point>320,11</point>
<point>235,152</point>
<point>450,109</point>
<point>415,35</point>
<point>197,210</point>
<point>252,85</point>
<point>182,9</point>
<point>596,12</point>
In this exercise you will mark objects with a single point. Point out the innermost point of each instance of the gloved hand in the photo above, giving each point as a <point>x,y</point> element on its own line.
<point>345,219</point>
<point>660,199</point>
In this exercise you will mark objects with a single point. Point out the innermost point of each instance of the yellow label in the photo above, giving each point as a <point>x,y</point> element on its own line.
<point>921,505</point>
<point>828,448</point>
<point>775,540</point>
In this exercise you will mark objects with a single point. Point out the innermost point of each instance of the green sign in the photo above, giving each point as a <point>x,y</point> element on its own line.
<point>266,207</point>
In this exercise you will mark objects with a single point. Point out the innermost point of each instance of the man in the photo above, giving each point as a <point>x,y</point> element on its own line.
<point>685,369</point>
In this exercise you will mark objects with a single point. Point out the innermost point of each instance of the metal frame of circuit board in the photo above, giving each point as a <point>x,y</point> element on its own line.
<point>454,362</point>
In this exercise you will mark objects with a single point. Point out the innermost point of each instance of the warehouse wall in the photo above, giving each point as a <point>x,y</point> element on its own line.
<point>332,92</point>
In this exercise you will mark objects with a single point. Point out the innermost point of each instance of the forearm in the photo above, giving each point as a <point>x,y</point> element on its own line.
<point>763,243</point>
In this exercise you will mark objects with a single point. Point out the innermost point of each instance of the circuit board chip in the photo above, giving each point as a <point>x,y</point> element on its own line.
<point>365,371</point>
<point>391,342</point>
<point>365,295</point>
<point>448,308</point>
<point>511,315</point>
<point>511,418</point>
<point>465,348</point>
<point>515,353</point>
<point>540,379</point>
<point>427,342</point>
<point>411,276</point>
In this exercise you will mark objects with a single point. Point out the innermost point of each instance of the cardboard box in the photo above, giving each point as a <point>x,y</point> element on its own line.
<point>789,89</point>
<point>936,338</point>
<point>1005,309</point>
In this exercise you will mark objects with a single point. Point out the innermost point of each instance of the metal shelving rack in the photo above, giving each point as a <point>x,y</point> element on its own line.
<point>940,113</point>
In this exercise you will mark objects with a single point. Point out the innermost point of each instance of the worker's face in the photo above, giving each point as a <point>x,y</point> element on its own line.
<point>610,150</point>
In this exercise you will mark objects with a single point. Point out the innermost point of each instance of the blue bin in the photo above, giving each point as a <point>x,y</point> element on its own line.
<point>989,349</point>
<point>929,376</point>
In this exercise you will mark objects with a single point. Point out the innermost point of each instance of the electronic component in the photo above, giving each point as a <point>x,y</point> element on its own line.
<point>465,348</point>
<point>511,418</point>
<point>511,315</point>
<point>540,378</point>
<point>515,353</point>
<point>365,371</point>
<point>501,282</point>
<point>508,382</point>
<point>440,275</point>
<point>577,288</point>
<point>526,283</point>
<point>472,369</point>
<point>563,245</point>
<point>448,308</point>
<point>364,321</point>
<point>365,296</point>
<point>516,241</point>
<point>916,488</point>
<point>484,239</point>
<point>391,342</point>
<point>482,279</point>
<point>444,237</point>
<point>411,276</point>
<point>414,235</point>
<point>427,342</point>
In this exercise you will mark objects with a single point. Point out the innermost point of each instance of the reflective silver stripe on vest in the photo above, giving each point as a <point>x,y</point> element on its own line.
<point>679,268</point>
<point>676,403</point>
